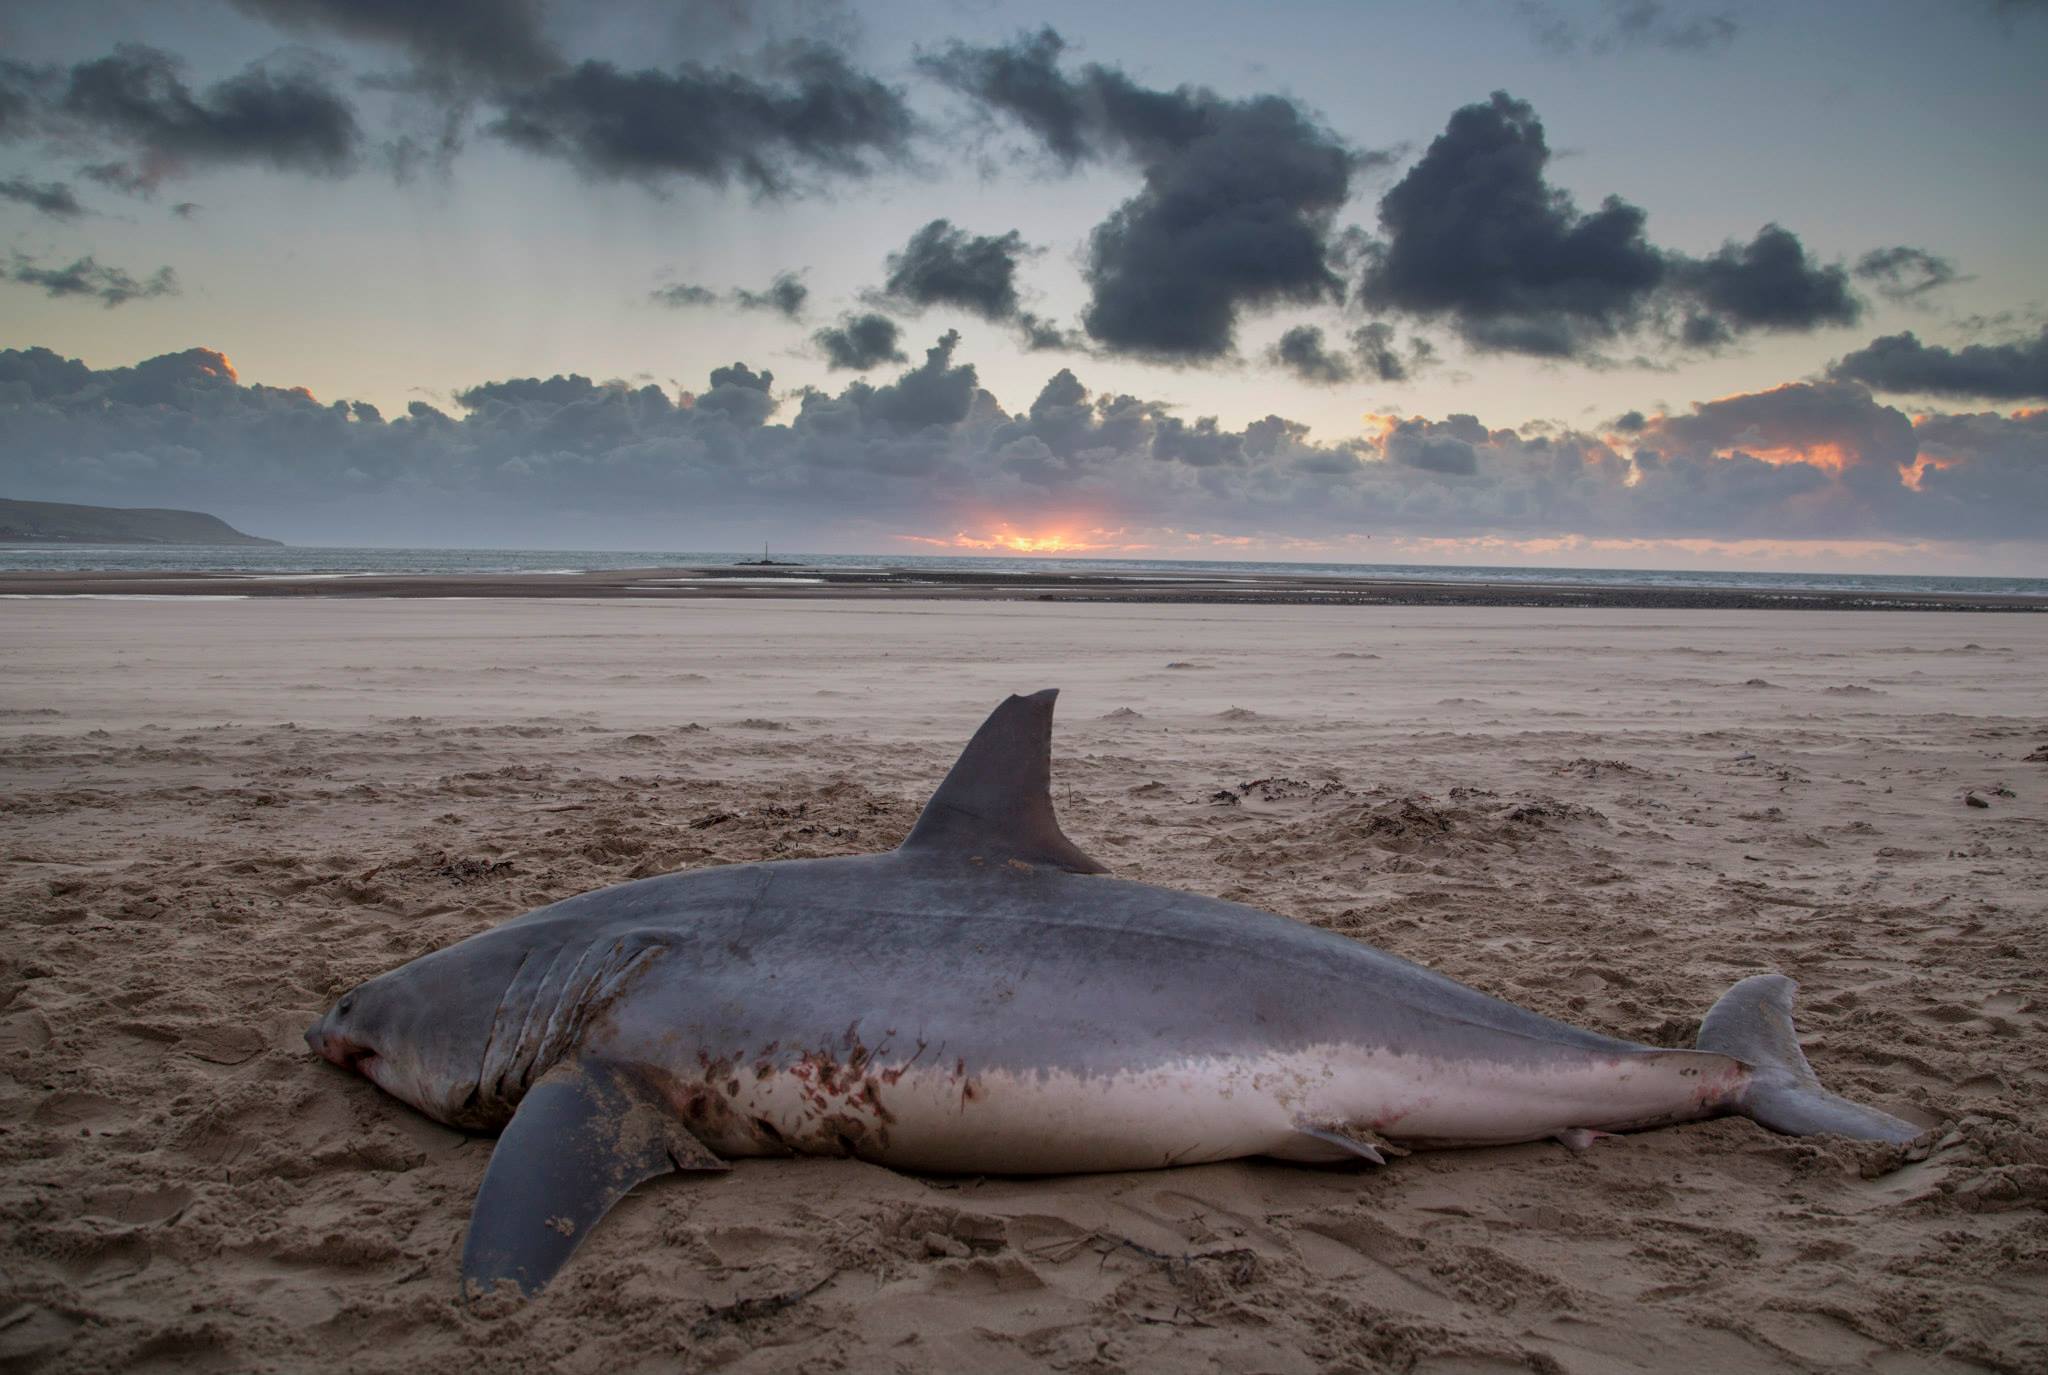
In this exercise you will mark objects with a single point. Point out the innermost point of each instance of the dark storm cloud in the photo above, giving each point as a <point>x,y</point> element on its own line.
<point>1301,351</point>
<point>740,375</point>
<point>860,342</point>
<point>1023,81</point>
<point>1477,236</point>
<point>1619,25</point>
<point>558,390</point>
<point>1372,354</point>
<point>784,296</point>
<point>946,266</point>
<point>1997,372</point>
<point>89,279</point>
<point>1236,207</point>
<point>929,450</point>
<point>1905,274</point>
<point>1769,283</point>
<point>936,392</point>
<point>284,115</point>
<point>52,198</point>
<point>816,116</point>
<point>497,40</point>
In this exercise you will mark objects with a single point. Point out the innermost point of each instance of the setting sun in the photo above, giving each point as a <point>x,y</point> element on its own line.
<point>1004,538</point>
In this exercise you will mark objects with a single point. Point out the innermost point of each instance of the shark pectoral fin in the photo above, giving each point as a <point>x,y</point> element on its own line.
<point>583,1136</point>
<point>1579,1138</point>
<point>1328,1143</point>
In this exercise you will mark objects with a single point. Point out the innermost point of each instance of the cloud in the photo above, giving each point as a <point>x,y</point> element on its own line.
<point>52,198</point>
<point>784,296</point>
<point>492,40</point>
<point>1022,80</point>
<point>559,390</point>
<point>1236,207</point>
<point>743,396</point>
<point>1303,352</point>
<point>1038,334</point>
<point>937,392</point>
<point>860,342</point>
<point>281,114</point>
<point>23,90</point>
<point>110,286</point>
<point>945,266</point>
<point>1373,342</point>
<point>568,460</point>
<point>684,294</point>
<point>1623,25</point>
<point>1997,372</point>
<point>817,117</point>
<point>1475,235</point>
<point>1768,283</point>
<point>1905,274</point>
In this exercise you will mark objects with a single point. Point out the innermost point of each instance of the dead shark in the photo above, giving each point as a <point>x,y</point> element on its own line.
<point>984,999</point>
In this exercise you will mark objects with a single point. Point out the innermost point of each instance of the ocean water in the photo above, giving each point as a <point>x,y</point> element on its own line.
<point>342,562</point>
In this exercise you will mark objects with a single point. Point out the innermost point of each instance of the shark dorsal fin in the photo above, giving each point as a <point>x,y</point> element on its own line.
<point>997,801</point>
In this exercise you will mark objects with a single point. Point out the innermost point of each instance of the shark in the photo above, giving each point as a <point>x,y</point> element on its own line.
<point>986,998</point>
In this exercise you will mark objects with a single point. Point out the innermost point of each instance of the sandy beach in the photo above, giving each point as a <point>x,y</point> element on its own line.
<point>217,815</point>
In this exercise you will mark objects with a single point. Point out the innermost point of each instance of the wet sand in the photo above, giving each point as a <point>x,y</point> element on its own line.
<point>1165,587</point>
<point>214,816</point>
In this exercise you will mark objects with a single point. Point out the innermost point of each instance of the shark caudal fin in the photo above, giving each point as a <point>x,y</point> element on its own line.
<point>1753,1023</point>
<point>997,801</point>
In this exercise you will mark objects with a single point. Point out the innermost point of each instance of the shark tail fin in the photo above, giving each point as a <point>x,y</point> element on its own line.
<point>1753,1023</point>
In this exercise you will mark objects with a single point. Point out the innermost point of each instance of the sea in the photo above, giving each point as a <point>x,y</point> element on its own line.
<point>342,562</point>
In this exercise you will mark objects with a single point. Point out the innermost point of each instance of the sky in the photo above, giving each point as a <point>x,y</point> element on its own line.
<point>1626,283</point>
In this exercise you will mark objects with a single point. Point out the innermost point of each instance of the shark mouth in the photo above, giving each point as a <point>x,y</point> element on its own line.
<point>340,1050</point>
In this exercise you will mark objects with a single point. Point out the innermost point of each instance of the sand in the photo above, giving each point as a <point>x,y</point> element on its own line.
<point>215,816</point>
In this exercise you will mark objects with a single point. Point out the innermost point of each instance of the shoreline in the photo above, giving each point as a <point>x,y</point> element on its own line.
<point>808,582</point>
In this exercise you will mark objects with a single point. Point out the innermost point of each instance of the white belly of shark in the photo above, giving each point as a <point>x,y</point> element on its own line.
<point>1287,1106</point>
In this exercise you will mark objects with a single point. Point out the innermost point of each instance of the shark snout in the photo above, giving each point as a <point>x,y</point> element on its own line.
<point>335,1048</point>
<point>322,1041</point>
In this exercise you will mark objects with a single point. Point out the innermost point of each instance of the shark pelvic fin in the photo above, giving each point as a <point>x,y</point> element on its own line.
<point>583,1136</point>
<point>997,801</point>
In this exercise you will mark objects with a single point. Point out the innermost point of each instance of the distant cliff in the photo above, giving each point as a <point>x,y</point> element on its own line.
<point>52,522</point>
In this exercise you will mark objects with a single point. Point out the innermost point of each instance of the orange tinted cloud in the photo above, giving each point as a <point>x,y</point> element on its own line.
<point>1914,473</point>
<point>1833,458</point>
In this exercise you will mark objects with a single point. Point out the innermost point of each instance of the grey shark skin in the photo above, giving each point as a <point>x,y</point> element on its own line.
<point>983,999</point>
